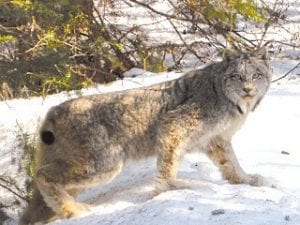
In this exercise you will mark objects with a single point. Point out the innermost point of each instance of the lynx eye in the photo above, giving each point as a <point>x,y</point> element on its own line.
<point>236,76</point>
<point>257,76</point>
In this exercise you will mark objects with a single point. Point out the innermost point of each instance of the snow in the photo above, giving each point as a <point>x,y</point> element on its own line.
<point>269,132</point>
<point>267,144</point>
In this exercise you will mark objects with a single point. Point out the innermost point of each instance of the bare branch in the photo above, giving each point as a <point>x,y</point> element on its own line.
<point>7,182</point>
<point>158,12</point>
<point>287,73</point>
<point>183,41</point>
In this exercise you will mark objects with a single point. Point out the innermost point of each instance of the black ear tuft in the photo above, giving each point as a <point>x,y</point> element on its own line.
<point>231,54</point>
<point>47,137</point>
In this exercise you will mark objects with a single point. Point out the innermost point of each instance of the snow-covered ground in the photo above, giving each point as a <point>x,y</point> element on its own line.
<point>268,144</point>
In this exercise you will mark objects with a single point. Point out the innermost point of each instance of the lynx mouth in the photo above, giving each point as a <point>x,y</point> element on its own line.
<point>248,96</point>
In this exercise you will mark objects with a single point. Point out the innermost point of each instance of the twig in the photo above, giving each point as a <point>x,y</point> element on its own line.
<point>287,73</point>
<point>10,189</point>
<point>156,11</point>
<point>266,27</point>
<point>243,37</point>
<point>195,22</point>
<point>184,42</point>
<point>284,43</point>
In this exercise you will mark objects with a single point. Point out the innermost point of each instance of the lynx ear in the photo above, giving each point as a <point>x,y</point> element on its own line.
<point>262,53</point>
<point>230,54</point>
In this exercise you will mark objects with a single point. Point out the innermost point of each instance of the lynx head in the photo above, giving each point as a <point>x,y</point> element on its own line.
<point>246,78</point>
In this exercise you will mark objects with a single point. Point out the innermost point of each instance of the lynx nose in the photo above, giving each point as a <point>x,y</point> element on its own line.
<point>248,87</point>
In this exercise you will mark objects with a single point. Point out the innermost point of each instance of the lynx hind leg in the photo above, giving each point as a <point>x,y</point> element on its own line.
<point>52,188</point>
<point>222,154</point>
<point>55,181</point>
<point>37,210</point>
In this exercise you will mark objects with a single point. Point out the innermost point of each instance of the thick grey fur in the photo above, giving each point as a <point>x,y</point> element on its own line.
<point>87,140</point>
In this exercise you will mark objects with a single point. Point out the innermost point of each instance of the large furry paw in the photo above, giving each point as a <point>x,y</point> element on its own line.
<point>257,180</point>
<point>180,184</point>
<point>73,209</point>
<point>251,179</point>
<point>162,185</point>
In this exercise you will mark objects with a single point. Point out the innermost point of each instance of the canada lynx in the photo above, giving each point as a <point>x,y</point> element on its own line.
<point>87,140</point>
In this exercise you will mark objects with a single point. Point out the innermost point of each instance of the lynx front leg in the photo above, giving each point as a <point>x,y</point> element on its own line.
<point>223,156</point>
<point>175,128</point>
<point>167,166</point>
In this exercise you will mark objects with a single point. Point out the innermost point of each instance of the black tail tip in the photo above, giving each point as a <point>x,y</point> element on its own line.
<point>47,137</point>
